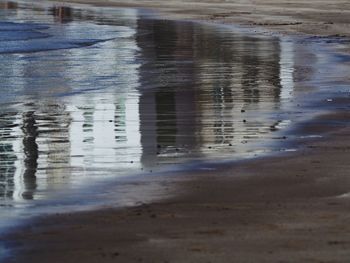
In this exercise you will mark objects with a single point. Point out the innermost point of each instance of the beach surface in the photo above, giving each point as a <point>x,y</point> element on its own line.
<point>316,17</point>
<point>292,208</point>
<point>289,208</point>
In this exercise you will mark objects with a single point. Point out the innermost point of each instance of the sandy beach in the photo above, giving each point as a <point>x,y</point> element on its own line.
<point>292,208</point>
<point>288,208</point>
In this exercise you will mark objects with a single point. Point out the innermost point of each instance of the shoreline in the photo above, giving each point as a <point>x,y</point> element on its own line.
<point>193,227</point>
<point>263,210</point>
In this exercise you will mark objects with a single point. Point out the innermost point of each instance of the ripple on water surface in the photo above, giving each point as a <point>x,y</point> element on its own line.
<point>127,94</point>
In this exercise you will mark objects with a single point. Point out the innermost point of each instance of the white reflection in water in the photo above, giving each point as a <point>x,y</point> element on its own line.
<point>19,186</point>
<point>287,69</point>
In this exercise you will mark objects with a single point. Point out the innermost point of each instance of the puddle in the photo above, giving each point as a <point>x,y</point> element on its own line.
<point>94,94</point>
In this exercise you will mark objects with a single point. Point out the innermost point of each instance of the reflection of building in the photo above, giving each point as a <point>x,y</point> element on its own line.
<point>105,133</point>
<point>54,144</point>
<point>287,56</point>
<point>245,76</point>
<point>7,160</point>
<point>19,155</point>
<point>62,14</point>
<point>8,5</point>
<point>167,102</point>
<point>197,80</point>
<point>105,136</point>
<point>55,141</point>
<point>31,154</point>
<point>162,90</point>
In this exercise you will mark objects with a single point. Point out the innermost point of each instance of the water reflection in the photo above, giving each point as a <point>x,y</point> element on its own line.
<point>159,92</point>
<point>62,14</point>
<point>30,150</point>
<point>8,5</point>
<point>8,157</point>
<point>199,82</point>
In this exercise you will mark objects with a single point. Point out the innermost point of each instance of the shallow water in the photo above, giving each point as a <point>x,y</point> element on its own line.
<point>93,94</point>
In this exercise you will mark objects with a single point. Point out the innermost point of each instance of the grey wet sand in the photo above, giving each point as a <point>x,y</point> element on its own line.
<point>316,17</point>
<point>292,208</point>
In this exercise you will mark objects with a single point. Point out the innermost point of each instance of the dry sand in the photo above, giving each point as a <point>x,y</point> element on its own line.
<point>292,208</point>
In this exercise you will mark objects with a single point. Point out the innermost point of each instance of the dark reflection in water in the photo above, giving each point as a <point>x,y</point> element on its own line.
<point>159,92</point>
<point>8,5</point>
<point>62,14</point>
<point>196,83</point>
<point>30,149</point>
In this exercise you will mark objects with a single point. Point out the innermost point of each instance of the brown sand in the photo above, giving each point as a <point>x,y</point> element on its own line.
<point>292,208</point>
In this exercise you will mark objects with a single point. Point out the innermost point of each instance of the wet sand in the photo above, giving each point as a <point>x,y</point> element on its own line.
<point>291,208</point>
<point>316,17</point>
